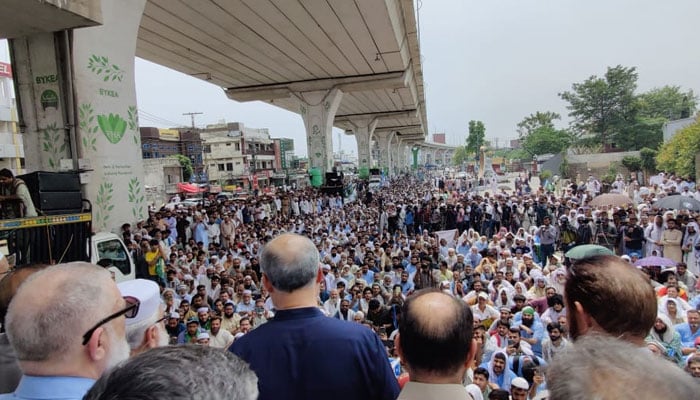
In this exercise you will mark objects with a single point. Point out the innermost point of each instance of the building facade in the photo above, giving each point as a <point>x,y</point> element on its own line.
<point>11,145</point>
<point>238,157</point>
<point>163,143</point>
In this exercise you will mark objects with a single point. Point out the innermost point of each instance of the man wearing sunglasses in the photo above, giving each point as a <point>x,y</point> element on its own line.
<point>71,334</point>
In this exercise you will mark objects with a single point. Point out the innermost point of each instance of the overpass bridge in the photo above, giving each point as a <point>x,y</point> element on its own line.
<point>351,64</point>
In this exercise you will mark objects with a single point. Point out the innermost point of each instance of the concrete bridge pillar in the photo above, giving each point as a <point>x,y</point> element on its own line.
<point>78,103</point>
<point>318,110</point>
<point>383,139</point>
<point>363,128</point>
<point>396,155</point>
<point>414,156</point>
<point>108,125</point>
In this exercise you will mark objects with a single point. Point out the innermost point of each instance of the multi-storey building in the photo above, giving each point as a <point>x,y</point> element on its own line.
<point>239,157</point>
<point>11,147</point>
<point>160,143</point>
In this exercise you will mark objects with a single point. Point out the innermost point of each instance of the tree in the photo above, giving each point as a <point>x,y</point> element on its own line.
<point>536,120</point>
<point>653,109</point>
<point>547,140</point>
<point>640,132</point>
<point>648,157</point>
<point>678,154</point>
<point>186,165</point>
<point>477,134</point>
<point>667,102</point>
<point>460,155</point>
<point>632,163</point>
<point>601,107</point>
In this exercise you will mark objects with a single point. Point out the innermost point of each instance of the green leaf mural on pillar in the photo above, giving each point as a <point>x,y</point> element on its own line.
<point>136,197</point>
<point>53,143</point>
<point>101,66</point>
<point>88,127</point>
<point>113,126</point>
<point>103,204</point>
<point>133,121</point>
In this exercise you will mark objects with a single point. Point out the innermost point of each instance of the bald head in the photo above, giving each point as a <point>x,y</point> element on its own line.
<point>435,333</point>
<point>54,307</point>
<point>290,262</point>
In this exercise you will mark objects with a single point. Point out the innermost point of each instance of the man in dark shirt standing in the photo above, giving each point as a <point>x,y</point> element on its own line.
<point>632,237</point>
<point>301,354</point>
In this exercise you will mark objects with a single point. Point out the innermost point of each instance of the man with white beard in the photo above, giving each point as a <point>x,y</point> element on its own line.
<point>67,327</point>
<point>653,234</point>
<point>146,330</point>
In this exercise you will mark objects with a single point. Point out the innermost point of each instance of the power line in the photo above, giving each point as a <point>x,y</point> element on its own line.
<point>158,120</point>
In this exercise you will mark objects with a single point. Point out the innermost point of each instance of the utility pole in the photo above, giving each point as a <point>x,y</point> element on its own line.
<point>192,114</point>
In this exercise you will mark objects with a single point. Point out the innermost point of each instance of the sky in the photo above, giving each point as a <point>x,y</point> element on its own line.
<point>491,60</point>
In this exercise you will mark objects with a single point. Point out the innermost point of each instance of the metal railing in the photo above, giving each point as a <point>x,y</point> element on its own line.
<point>48,239</point>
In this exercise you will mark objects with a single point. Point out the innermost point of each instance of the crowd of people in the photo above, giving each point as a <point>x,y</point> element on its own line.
<point>274,275</point>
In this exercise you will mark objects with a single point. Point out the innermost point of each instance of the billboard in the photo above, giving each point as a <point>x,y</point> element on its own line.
<point>169,134</point>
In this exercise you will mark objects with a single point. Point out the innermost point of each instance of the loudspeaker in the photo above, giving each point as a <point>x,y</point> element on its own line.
<point>55,193</point>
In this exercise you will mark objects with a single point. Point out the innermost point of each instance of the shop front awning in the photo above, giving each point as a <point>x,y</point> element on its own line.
<point>188,188</point>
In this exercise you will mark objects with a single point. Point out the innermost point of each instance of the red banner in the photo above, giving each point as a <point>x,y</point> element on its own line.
<point>5,70</point>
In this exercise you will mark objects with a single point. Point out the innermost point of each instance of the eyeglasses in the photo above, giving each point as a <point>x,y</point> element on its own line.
<point>163,319</point>
<point>130,311</point>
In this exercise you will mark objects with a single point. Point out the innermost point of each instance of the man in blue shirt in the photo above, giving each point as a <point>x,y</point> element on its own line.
<point>689,331</point>
<point>407,285</point>
<point>531,329</point>
<point>301,354</point>
<point>71,334</point>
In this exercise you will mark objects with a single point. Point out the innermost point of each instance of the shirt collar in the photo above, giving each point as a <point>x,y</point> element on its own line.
<point>53,387</point>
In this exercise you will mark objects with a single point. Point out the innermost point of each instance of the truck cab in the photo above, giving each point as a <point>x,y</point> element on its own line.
<point>109,251</point>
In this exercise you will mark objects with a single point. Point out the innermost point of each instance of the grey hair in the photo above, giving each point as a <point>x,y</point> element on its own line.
<point>603,367</point>
<point>227,377</point>
<point>135,333</point>
<point>290,267</point>
<point>48,324</point>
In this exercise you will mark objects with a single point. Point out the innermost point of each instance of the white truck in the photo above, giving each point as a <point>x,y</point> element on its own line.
<point>109,250</point>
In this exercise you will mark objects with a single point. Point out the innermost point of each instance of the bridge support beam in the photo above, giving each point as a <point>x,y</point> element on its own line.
<point>363,128</point>
<point>383,140</point>
<point>107,114</point>
<point>318,110</point>
<point>77,99</point>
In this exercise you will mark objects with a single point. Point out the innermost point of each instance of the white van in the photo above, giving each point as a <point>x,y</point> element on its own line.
<point>110,251</point>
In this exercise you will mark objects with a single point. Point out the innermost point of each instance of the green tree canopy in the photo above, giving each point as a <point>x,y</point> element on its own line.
<point>632,163</point>
<point>602,106</point>
<point>547,140</point>
<point>667,102</point>
<point>652,110</point>
<point>648,157</point>
<point>536,120</point>
<point>460,155</point>
<point>477,134</point>
<point>678,154</point>
<point>186,165</point>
